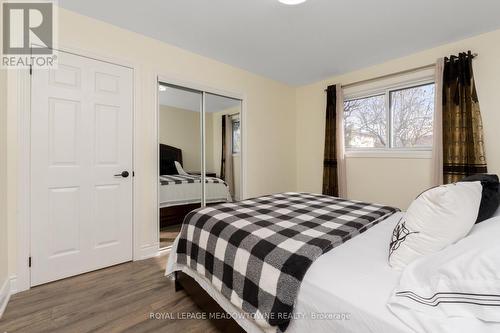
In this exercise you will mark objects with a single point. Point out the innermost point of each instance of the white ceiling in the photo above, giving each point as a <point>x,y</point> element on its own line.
<point>190,100</point>
<point>299,44</point>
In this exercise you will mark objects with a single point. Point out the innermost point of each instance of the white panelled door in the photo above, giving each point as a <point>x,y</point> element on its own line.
<point>81,142</point>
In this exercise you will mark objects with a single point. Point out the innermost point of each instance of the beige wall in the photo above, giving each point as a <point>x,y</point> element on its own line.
<point>394,181</point>
<point>3,178</point>
<point>269,113</point>
<point>216,143</point>
<point>181,128</point>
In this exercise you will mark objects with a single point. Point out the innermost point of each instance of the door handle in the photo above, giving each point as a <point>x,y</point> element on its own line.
<point>124,174</point>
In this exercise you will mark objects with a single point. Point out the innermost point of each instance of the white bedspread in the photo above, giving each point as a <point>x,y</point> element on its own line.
<point>351,284</point>
<point>182,194</point>
<point>354,278</point>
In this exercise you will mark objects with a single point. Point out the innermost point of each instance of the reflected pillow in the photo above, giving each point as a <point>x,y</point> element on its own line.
<point>179,169</point>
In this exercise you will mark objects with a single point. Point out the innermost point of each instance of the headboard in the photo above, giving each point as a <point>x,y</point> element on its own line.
<point>168,155</point>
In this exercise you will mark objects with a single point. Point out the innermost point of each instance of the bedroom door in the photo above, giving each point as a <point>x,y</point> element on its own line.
<point>81,167</point>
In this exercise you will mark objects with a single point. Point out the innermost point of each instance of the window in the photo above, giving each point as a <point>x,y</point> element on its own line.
<point>412,112</point>
<point>365,122</point>
<point>236,136</point>
<point>399,118</point>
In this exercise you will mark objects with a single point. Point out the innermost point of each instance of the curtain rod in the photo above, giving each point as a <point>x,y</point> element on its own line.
<point>407,71</point>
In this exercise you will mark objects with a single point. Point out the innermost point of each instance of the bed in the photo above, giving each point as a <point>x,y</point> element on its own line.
<point>345,298</point>
<point>300,262</point>
<point>180,194</point>
<point>327,290</point>
<point>176,190</point>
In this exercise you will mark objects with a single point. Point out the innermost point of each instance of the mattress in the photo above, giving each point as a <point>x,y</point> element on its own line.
<point>345,290</point>
<point>187,193</point>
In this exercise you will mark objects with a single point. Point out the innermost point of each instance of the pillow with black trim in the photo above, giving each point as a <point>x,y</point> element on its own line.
<point>455,290</point>
<point>490,199</point>
<point>436,219</point>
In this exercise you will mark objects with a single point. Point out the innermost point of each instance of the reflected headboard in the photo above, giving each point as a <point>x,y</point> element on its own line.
<point>168,155</point>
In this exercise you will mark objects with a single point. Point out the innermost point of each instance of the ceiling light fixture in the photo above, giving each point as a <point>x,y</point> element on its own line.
<point>292,2</point>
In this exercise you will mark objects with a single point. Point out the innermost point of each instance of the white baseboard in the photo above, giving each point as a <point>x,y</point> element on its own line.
<point>148,251</point>
<point>163,251</point>
<point>152,251</point>
<point>4,296</point>
<point>13,285</point>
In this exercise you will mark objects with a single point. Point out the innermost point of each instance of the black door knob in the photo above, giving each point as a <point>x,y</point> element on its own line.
<point>124,174</point>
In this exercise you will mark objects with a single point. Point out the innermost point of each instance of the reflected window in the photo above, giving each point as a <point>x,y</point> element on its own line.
<point>236,136</point>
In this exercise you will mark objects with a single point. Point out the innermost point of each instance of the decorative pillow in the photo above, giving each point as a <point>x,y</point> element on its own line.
<point>179,169</point>
<point>437,218</point>
<point>490,197</point>
<point>455,290</point>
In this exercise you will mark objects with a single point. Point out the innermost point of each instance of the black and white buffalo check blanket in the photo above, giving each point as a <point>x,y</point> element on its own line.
<point>256,252</point>
<point>188,179</point>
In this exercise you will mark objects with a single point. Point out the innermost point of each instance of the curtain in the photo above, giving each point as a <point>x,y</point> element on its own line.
<point>227,153</point>
<point>341,164</point>
<point>437,135</point>
<point>334,171</point>
<point>463,141</point>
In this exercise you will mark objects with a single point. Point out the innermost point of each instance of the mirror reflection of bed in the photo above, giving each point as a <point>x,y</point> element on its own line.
<point>180,155</point>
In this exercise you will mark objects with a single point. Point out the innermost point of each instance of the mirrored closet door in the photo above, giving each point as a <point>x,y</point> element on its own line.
<point>199,154</point>
<point>223,144</point>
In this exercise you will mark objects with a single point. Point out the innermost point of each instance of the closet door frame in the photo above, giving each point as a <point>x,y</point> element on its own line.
<point>204,89</point>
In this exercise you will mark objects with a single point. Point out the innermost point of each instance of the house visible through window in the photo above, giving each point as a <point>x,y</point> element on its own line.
<point>236,136</point>
<point>395,118</point>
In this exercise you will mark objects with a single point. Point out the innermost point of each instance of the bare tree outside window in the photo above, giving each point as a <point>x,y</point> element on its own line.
<point>365,122</point>
<point>412,113</point>
<point>410,125</point>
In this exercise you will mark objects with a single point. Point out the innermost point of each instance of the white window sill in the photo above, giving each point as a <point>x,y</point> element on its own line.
<point>389,153</point>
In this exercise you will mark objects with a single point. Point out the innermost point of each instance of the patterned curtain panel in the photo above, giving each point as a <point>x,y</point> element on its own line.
<point>330,178</point>
<point>463,141</point>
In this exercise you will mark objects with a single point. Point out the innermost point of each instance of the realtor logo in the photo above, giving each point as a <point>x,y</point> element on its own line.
<point>28,34</point>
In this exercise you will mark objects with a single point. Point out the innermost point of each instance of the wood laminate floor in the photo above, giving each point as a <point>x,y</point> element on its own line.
<point>116,299</point>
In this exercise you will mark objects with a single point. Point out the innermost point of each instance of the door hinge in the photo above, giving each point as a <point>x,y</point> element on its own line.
<point>29,262</point>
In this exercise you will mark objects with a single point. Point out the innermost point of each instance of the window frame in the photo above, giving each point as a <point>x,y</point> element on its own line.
<point>390,150</point>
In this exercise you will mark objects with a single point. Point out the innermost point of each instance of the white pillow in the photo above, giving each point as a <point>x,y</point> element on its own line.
<point>436,219</point>
<point>180,170</point>
<point>454,290</point>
